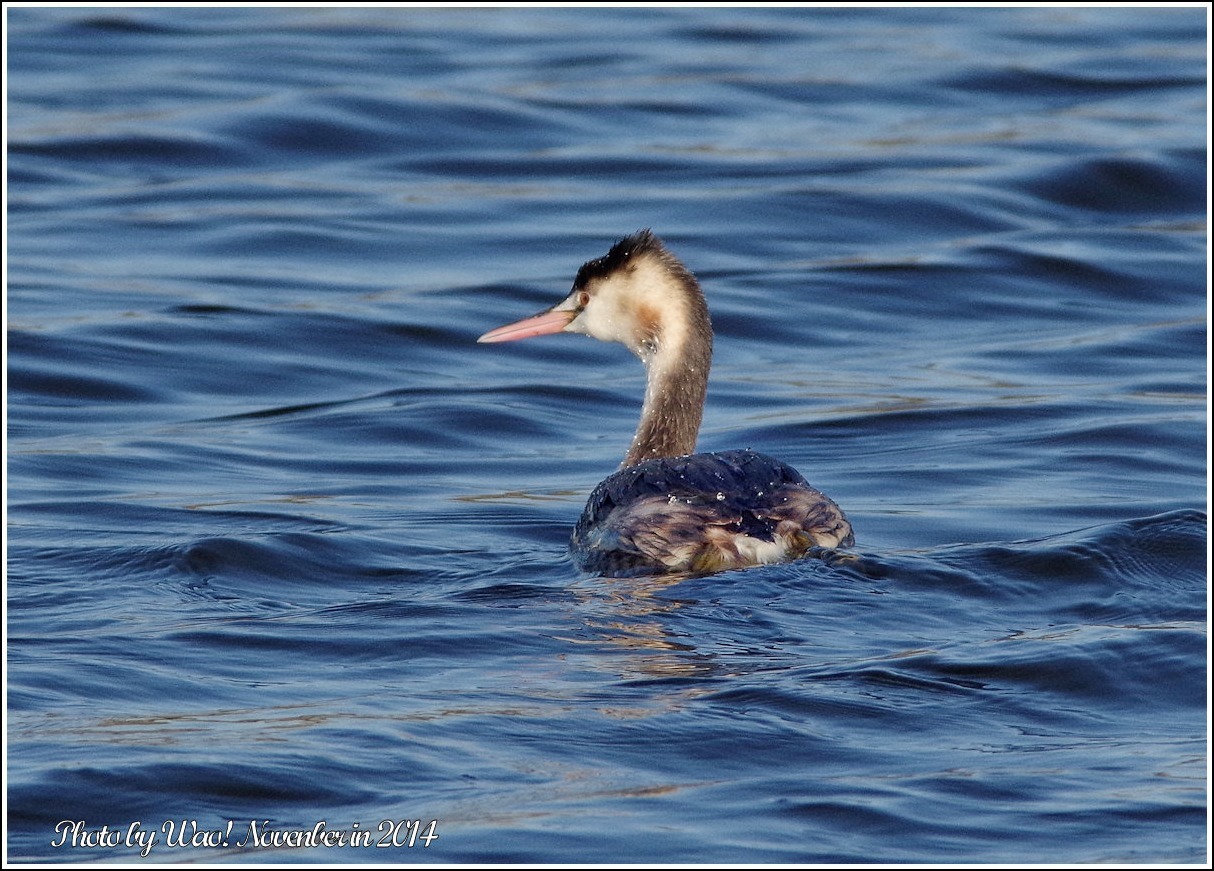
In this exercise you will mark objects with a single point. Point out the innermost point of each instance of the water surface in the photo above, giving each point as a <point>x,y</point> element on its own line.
<point>285,546</point>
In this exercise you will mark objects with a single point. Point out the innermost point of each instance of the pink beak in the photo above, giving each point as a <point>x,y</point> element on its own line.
<point>541,325</point>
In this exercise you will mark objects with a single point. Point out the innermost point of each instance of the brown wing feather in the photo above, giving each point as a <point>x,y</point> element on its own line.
<point>624,531</point>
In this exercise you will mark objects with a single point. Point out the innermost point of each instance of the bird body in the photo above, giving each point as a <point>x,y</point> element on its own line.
<point>703,513</point>
<point>668,509</point>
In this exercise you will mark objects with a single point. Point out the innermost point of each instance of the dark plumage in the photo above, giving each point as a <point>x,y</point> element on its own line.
<point>703,513</point>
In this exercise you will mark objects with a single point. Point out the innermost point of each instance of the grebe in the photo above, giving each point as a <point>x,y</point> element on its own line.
<point>668,509</point>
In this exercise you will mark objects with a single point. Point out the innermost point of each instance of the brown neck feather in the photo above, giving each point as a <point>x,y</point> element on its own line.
<point>678,383</point>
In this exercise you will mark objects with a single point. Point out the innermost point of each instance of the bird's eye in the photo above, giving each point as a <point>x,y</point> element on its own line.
<point>583,299</point>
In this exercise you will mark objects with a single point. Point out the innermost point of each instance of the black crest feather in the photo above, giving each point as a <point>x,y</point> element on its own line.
<point>619,256</point>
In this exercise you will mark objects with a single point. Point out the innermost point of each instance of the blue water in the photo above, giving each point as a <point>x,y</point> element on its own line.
<point>286,547</point>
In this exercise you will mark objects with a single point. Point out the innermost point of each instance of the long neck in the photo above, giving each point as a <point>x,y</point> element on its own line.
<point>674,396</point>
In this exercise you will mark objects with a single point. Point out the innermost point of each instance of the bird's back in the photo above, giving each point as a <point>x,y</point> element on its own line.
<point>704,513</point>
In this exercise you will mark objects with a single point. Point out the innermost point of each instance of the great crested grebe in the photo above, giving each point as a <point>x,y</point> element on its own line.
<point>668,509</point>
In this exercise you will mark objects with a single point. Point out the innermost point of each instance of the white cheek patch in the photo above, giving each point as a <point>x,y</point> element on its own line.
<point>605,318</point>
<point>633,307</point>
